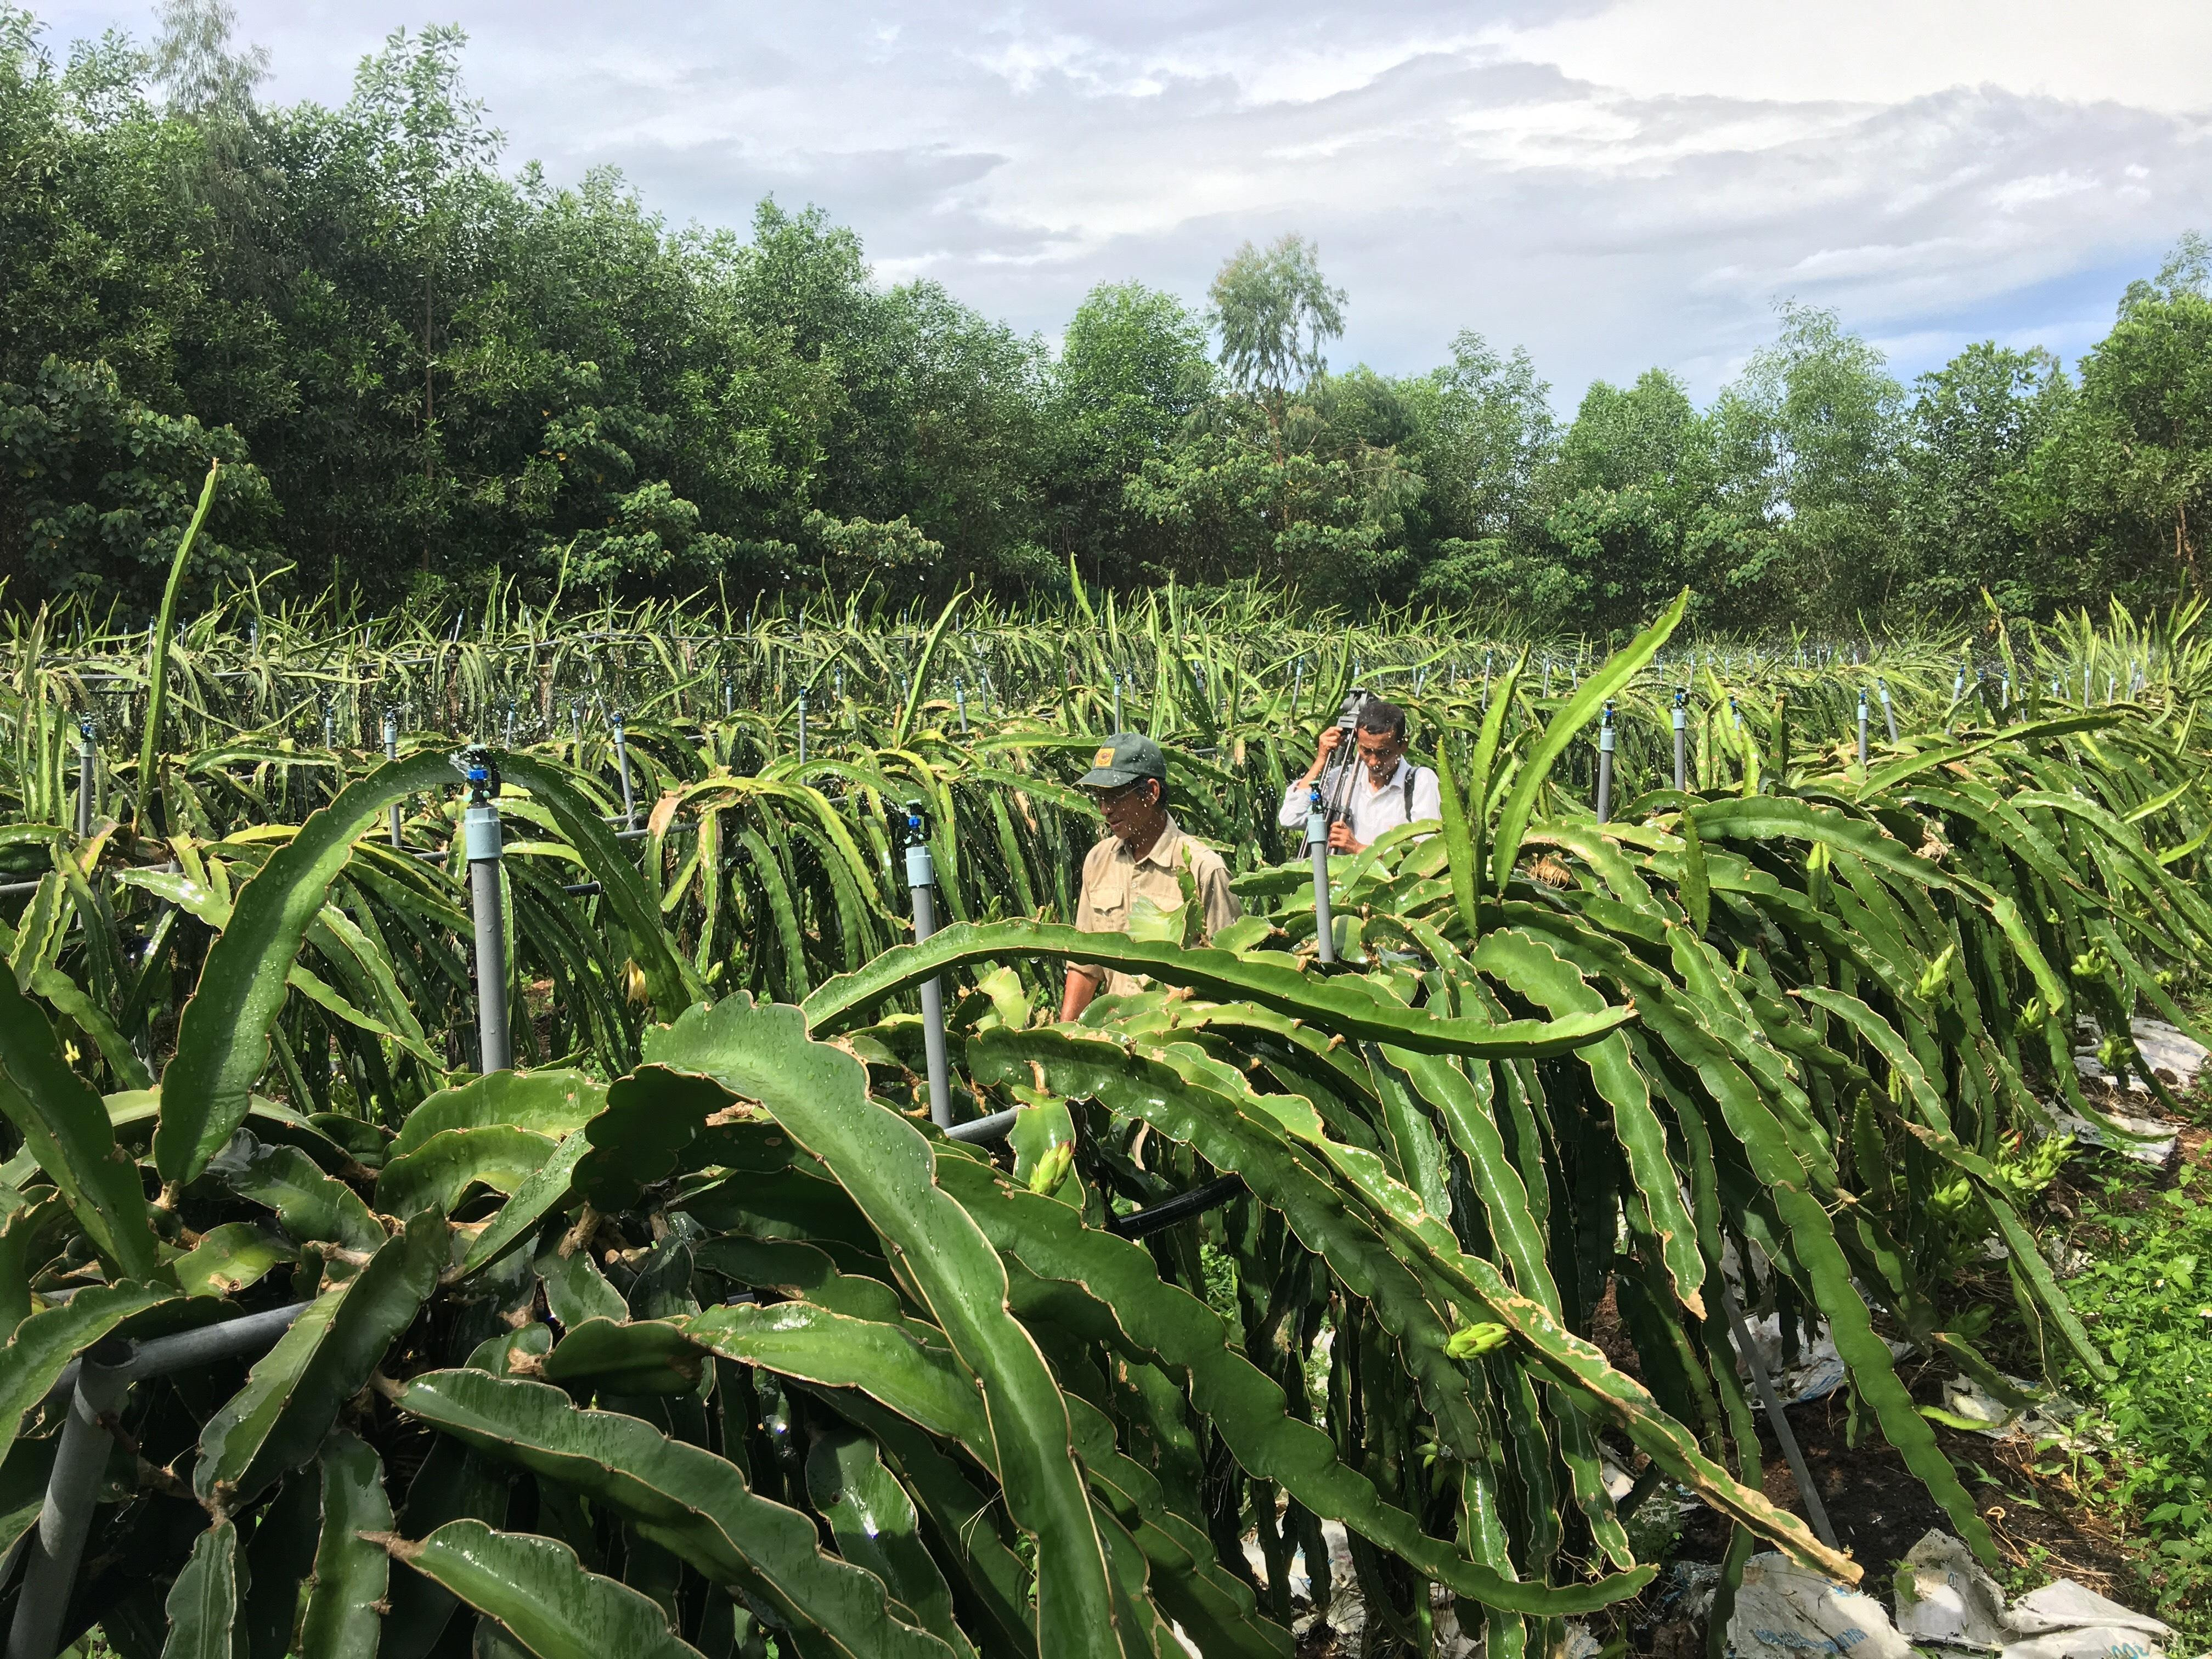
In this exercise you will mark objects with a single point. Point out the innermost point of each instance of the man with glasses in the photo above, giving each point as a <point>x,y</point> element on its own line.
<point>1387,790</point>
<point>1138,861</point>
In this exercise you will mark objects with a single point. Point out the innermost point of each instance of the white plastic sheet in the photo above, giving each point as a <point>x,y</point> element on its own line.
<point>1946,1602</point>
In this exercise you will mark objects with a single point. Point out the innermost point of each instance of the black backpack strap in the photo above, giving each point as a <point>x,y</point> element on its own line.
<point>1411,773</point>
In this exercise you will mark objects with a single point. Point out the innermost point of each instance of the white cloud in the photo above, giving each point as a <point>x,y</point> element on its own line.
<point>2146,52</point>
<point>1615,183</point>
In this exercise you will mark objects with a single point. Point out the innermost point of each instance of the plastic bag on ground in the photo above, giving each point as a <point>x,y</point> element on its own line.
<point>2096,1642</point>
<point>2062,1604</point>
<point>1943,1595</point>
<point>1945,1600</point>
<point>1784,1611</point>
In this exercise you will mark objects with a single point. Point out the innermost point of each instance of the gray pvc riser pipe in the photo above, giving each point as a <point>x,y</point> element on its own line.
<point>1889,714</point>
<point>1681,749</point>
<point>622,762</point>
<point>921,882</point>
<point>96,1387</point>
<point>1605,741</point>
<point>480,825</point>
<point>88,763</point>
<point>802,728</point>
<point>1324,924</point>
<point>392,753</point>
<point>1862,731</point>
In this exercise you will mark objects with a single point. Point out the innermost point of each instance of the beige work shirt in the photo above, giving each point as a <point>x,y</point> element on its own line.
<point>1112,881</point>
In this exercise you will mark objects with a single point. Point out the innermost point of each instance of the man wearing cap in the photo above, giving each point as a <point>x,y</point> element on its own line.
<point>1137,860</point>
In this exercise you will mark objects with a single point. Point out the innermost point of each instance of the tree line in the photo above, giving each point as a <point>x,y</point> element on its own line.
<point>424,375</point>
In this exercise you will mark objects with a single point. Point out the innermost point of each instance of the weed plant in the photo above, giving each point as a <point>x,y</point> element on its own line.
<point>2146,1296</point>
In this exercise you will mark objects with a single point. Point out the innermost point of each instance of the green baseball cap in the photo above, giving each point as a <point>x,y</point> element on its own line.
<point>1123,758</point>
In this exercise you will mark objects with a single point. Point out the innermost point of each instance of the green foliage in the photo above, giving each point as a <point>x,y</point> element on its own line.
<point>2147,1291</point>
<point>1975,425</point>
<point>1132,370</point>
<point>425,379</point>
<point>1274,312</point>
<point>2121,481</point>
<point>698,1329</point>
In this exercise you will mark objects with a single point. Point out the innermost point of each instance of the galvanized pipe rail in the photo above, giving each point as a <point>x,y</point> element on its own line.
<point>95,1386</point>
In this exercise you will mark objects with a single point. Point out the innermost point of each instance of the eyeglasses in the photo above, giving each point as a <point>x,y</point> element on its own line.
<point>1105,799</point>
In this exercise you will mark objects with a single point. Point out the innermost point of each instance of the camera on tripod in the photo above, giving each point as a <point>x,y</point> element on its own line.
<point>1332,790</point>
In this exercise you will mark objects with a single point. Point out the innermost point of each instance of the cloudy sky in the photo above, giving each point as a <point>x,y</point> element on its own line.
<point>1611,183</point>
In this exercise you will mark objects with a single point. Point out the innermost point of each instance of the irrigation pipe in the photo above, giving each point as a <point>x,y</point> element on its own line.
<point>1142,1224</point>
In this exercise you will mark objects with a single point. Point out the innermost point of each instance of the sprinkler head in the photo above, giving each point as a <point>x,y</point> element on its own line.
<point>476,765</point>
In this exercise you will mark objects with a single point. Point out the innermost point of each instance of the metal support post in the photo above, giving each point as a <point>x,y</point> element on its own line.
<point>1815,1511</point>
<point>96,1387</point>
<point>1605,742</point>
<point>1862,731</point>
<point>960,699</point>
<point>621,763</point>
<point>392,753</point>
<point>480,827</point>
<point>56,1545</point>
<point>921,881</point>
<point>1889,710</point>
<point>1298,685</point>
<point>1317,845</point>
<point>1681,740</point>
<point>88,777</point>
